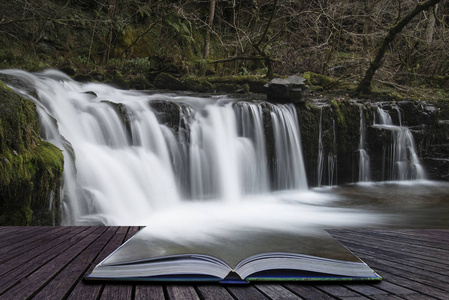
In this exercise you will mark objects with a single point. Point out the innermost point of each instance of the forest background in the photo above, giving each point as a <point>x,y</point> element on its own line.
<point>167,44</point>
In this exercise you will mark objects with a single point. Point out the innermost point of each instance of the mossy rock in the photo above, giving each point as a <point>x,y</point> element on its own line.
<point>226,87</point>
<point>30,169</point>
<point>82,77</point>
<point>139,82</point>
<point>320,82</point>
<point>169,82</point>
<point>196,84</point>
<point>165,63</point>
<point>167,113</point>
<point>249,83</point>
<point>116,78</point>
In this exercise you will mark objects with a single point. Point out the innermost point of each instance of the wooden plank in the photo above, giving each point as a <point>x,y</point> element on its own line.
<point>117,291</point>
<point>395,239</point>
<point>391,288</point>
<point>9,243</point>
<point>405,272</point>
<point>276,291</point>
<point>9,263</point>
<point>61,285</point>
<point>379,242</point>
<point>386,297</point>
<point>432,235</point>
<point>366,289</point>
<point>39,238</point>
<point>55,268</point>
<point>248,292</point>
<point>412,283</point>
<point>37,280</point>
<point>9,231</point>
<point>413,273</point>
<point>339,291</point>
<point>213,291</point>
<point>409,239</point>
<point>181,292</point>
<point>19,234</point>
<point>308,291</point>
<point>423,254</point>
<point>121,291</point>
<point>16,274</point>
<point>394,256</point>
<point>85,290</point>
<point>149,292</point>
<point>425,276</point>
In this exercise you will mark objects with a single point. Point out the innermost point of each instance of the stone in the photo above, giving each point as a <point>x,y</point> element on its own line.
<point>292,89</point>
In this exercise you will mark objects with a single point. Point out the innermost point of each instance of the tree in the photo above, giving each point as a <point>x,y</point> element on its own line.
<point>211,22</point>
<point>254,35</point>
<point>364,86</point>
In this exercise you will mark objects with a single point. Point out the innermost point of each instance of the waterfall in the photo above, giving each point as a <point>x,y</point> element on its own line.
<point>400,159</point>
<point>290,170</point>
<point>123,161</point>
<point>364,162</point>
<point>331,156</point>
<point>320,160</point>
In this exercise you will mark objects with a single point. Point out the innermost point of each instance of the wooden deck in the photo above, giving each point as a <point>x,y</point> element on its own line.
<point>50,263</point>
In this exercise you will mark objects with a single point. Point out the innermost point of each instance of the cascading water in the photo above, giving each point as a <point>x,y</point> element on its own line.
<point>320,164</point>
<point>364,162</point>
<point>122,163</point>
<point>290,170</point>
<point>400,159</point>
<point>331,156</point>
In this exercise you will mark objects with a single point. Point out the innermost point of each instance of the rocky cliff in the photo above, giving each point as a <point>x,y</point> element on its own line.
<point>30,168</point>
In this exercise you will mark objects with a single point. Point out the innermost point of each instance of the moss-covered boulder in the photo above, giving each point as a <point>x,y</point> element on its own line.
<point>196,84</point>
<point>139,82</point>
<point>319,82</point>
<point>169,82</point>
<point>30,169</point>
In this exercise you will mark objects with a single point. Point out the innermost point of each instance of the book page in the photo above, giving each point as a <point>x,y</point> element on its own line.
<point>232,245</point>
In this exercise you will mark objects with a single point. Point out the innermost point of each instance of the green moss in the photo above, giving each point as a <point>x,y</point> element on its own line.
<point>30,169</point>
<point>197,84</point>
<point>251,83</point>
<point>320,82</point>
<point>139,82</point>
<point>167,81</point>
<point>339,112</point>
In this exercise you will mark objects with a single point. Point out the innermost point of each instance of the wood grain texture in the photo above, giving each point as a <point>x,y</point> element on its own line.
<point>149,292</point>
<point>182,292</point>
<point>213,291</point>
<point>51,263</point>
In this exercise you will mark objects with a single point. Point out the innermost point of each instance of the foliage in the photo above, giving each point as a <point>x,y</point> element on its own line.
<point>30,169</point>
<point>333,38</point>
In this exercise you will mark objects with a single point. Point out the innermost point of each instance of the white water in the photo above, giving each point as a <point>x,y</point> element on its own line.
<point>331,157</point>
<point>320,160</point>
<point>364,162</point>
<point>120,174</point>
<point>400,159</point>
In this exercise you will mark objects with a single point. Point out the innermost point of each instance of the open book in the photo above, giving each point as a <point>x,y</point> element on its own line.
<point>237,258</point>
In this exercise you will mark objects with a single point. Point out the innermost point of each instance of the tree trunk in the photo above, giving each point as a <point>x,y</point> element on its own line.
<point>261,51</point>
<point>364,86</point>
<point>211,22</point>
<point>431,25</point>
